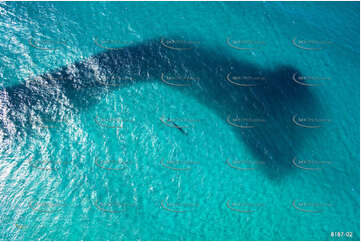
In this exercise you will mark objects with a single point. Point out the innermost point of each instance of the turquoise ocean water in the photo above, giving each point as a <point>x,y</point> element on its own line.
<point>179,121</point>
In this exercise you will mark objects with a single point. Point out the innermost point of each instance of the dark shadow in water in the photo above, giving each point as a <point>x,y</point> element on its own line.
<point>268,100</point>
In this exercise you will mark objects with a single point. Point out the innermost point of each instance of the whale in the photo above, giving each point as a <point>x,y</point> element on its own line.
<point>84,83</point>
